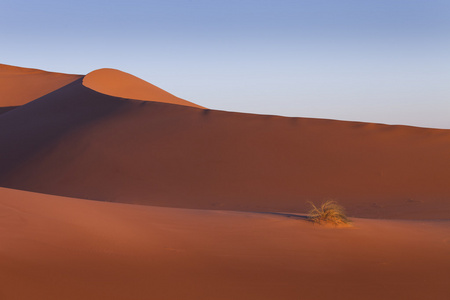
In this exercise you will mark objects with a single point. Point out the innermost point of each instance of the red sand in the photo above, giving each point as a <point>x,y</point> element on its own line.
<point>22,85</point>
<point>120,84</point>
<point>78,141</point>
<point>61,248</point>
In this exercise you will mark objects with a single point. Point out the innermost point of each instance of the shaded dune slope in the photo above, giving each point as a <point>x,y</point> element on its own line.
<point>62,248</point>
<point>22,85</point>
<point>81,143</point>
<point>6,109</point>
<point>120,84</point>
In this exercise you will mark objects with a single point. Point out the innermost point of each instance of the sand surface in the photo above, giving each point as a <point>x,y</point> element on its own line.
<point>62,248</point>
<point>22,85</point>
<point>81,143</point>
<point>209,204</point>
<point>120,84</point>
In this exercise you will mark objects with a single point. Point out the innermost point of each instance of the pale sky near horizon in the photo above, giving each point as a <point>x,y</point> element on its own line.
<point>385,61</point>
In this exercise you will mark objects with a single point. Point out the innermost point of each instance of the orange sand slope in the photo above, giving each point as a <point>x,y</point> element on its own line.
<point>62,248</point>
<point>22,85</point>
<point>86,139</point>
<point>81,143</point>
<point>120,84</point>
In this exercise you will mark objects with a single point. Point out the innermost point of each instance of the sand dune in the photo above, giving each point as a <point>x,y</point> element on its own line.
<point>62,248</point>
<point>232,190</point>
<point>82,143</point>
<point>22,85</point>
<point>120,84</point>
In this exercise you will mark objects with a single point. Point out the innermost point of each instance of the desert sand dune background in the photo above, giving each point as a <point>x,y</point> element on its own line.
<point>210,204</point>
<point>81,143</point>
<point>61,248</point>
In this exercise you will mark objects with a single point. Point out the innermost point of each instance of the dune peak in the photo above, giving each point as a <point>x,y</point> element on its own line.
<point>117,83</point>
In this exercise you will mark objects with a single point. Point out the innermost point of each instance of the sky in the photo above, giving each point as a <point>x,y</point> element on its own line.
<point>383,61</point>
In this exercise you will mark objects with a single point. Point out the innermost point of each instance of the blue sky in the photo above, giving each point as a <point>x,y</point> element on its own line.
<point>365,60</point>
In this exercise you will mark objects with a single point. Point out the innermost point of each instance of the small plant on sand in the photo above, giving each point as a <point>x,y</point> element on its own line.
<point>328,212</point>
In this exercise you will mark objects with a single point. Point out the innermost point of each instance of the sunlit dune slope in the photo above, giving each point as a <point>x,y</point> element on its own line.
<point>81,143</point>
<point>62,248</point>
<point>22,85</point>
<point>120,84</point>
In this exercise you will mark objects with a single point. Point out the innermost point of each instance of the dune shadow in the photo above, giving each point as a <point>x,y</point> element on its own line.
<point>46,119</point>
<point>287,215</point>
<point>5,109</point>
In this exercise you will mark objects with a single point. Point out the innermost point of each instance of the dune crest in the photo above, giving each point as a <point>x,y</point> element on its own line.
<point>121,84</point>
<point>22,85</point>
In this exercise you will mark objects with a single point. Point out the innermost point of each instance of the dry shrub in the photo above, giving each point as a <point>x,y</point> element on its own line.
<point>329,212</point>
